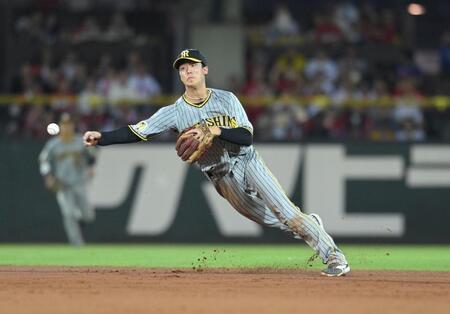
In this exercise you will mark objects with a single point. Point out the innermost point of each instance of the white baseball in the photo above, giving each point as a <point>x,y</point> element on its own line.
<point>53,129</point>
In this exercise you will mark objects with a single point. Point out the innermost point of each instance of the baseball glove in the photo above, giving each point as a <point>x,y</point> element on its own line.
<point>193,142</point>
<point>52,183</point>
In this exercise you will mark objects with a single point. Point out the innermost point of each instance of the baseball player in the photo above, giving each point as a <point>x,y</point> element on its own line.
<point>66,165</point>
<point>216,134</point>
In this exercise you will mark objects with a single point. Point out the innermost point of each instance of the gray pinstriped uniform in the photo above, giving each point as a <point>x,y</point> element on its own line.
<point>68,163</point>
<point>237,172</point>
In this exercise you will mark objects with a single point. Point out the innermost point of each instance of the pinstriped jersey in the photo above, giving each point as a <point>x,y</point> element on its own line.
<point>220,108</point>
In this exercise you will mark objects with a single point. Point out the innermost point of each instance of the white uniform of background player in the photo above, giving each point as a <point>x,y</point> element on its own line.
<point>66,165</point>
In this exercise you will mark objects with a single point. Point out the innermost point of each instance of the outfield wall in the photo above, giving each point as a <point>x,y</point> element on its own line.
<point>144,193</point>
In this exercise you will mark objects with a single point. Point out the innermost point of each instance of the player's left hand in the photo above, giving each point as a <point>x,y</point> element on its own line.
<point>52,183</point>
<point>199,134</point>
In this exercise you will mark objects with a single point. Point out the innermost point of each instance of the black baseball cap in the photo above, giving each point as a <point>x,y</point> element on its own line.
<point>189,55</point>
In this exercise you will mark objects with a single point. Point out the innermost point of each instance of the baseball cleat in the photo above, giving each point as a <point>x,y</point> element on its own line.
<point>336,270</point>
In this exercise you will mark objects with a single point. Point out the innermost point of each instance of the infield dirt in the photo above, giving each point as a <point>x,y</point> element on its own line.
<point>134,290</point>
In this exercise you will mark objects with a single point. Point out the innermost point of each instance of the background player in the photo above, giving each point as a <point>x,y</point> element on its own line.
<point>231,163</point>
<point>66,165</point>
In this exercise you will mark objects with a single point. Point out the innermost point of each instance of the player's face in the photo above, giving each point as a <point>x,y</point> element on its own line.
<point>192,74</point>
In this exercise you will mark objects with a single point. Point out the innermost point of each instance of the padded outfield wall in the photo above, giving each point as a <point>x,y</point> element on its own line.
<point>144,193</point>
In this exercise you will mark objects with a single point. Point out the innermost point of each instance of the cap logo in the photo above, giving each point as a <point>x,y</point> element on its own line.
<point>184,54</point>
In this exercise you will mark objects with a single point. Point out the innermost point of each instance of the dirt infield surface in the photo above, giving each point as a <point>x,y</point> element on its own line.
<point>128,290</point>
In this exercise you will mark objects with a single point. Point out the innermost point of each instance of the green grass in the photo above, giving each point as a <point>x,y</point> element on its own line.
<point>432,258</point>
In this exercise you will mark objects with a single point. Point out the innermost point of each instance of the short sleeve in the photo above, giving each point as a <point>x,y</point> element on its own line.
<point>163,120</point>
<point>238,112</point>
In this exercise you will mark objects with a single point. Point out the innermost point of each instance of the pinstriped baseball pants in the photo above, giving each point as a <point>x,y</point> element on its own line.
<point>254,192</point>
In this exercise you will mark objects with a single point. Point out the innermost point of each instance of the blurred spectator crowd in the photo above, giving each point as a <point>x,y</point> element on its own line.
<point>322,81</point>
<point>103,97</point>
<point>346,73</point>
<point>49,28</point>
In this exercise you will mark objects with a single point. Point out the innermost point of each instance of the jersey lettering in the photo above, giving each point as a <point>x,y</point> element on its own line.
<point>217,120</point>
<point>67,154</point>
<point>221,121</point>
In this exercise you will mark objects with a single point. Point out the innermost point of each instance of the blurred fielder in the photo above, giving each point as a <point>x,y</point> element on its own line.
<point>66,165</point>
<point>215,133</point>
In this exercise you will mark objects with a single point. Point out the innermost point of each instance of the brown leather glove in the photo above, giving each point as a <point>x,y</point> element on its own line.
<point>194,142</point>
